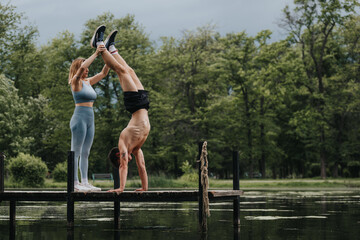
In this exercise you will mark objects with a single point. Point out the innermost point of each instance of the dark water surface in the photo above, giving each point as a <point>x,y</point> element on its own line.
<point>94,220</point>
<point>300,215</point>
<point>263,214</point>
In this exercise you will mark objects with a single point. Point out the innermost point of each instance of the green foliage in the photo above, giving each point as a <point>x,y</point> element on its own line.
<point>354,168</point>
<point>346,173</point>
<point>54,78</point>
<point>9,28</point>
<point>186,168</point>
<point>21,122</point>
<point>290,107</point>
<point>314,169</point>
<point>28,170</point>
<point>22,108</point>
<point>190,175</point>
<point>321,119</point>
<point>353,164</point>
<point>60,172</point>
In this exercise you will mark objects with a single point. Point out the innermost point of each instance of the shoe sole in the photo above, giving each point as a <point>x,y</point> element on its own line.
<point>108,37</point>
<point>83,190</point>
<point>75,190</point>
<point>95,190</point>
<point>94,35</point>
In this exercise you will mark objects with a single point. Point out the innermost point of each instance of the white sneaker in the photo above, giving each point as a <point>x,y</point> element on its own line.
<point>93,188</point>
<point>79,187</point>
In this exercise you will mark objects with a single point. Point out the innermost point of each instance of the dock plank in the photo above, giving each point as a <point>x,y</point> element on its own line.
<point>126,196</point>
<point>226,193</point>
<point>33,196</point>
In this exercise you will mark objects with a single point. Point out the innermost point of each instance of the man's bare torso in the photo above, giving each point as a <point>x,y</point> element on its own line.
<point>136,132</point>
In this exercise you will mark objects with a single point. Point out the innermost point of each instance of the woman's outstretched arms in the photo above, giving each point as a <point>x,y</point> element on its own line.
<point>95,79</point>
<point>76,78</point>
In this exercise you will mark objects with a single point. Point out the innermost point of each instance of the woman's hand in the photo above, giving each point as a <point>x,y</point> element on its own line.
<point>100,49</point>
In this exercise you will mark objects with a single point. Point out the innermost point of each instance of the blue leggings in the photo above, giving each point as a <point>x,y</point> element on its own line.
<point>82,134</point>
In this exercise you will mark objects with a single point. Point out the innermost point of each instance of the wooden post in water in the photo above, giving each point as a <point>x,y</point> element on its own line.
<point>116,202</point>
<point>202,220</point>
<point>12,219</point>
<point>2,172</point>
<point>236,186</point>
<point>70,189</point>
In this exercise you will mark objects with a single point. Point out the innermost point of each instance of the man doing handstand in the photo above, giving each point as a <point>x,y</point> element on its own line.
<point>136,102</point>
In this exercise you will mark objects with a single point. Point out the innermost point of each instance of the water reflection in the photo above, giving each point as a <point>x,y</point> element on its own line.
<point>300,215</point>
<point>70,234</point>
<point>47,220</point>
<point>264,215</point>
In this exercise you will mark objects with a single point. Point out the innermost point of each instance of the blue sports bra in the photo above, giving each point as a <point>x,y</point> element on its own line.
<point>86,94</point>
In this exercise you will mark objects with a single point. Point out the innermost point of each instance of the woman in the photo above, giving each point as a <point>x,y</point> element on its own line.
<point>82,122</point>
<point>137,103</point>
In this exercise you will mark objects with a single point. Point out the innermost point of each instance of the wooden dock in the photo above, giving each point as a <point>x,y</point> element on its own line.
<point>70,196</point>
<point>126,196</point>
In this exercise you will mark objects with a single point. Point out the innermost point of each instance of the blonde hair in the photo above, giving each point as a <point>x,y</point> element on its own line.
<point>75,65</point>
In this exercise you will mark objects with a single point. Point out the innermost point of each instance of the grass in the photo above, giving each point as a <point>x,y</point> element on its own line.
<point>163,182</point>
<point>334,183</point>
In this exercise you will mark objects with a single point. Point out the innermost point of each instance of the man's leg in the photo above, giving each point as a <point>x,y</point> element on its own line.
<point>126,81</point>
<point>140,162</point>
<point>132,73</point>
<point>125,78</point>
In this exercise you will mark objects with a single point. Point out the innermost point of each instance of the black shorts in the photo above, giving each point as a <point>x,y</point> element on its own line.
<point>136,100</point>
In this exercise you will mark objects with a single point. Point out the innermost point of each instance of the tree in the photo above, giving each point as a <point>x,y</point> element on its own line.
<point>17,127</point>
<point>9,24</point>
<point>183,88</point>
<point>237,69</point>
<point>343,103</point>
<point>270,81</point>
<point>54,82</point>
<point>311,25</point>
<point>20,60</point>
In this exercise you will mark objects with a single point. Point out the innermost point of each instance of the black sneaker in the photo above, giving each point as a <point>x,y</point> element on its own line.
<point>110,40</point>
<point>98,36</point>
<point>114,157</point>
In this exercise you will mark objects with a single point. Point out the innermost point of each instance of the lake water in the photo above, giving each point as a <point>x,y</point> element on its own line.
<point>263,214</point>
<point>300,215</point>
<point>94,220</point>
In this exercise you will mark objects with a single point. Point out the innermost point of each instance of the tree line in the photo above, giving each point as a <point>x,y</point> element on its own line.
<point>290,107</point>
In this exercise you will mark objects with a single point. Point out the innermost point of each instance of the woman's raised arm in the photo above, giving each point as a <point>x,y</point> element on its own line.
<point>95,79</point>
<point>76,78</point>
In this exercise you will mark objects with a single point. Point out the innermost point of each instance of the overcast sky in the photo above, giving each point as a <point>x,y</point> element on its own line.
<point>158,17</point>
